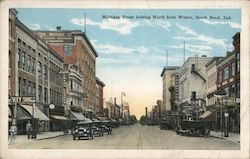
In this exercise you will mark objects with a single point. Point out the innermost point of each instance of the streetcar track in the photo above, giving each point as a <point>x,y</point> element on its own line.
<point>140,140</point>
<point>120,141</point>
<point>155,141</point>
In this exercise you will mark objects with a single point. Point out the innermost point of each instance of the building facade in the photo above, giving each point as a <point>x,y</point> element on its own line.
<point>167,82</point>
<point>99,97</point>
<point>35,71</point>
<point>228,80</point>
<point>75,47</point>
<point>192,85</point>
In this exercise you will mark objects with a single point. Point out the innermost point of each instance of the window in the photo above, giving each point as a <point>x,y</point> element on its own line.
<point>23,60</point>
<point>45,72</point>
<point>71,84</point>
<point>33,66</point>
<point>226,73</point>
<point>45,95</point>
<point>40,93</point>
<point>29,88</point>
<point>9,58</point>
<point>233,69</point>
<point>24,87</point>
<point>28,62</point>
<point>19,86</point>
<point>34,89</point>
<point>238,61</point>
<point>19,58</point>
<point>67,50</point>
<point>39,69</point>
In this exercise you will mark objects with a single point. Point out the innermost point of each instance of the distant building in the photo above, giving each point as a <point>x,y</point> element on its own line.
<point>99,97</point>
<point>192,84</point>
<point>166,80</point>
<point>228,75</point>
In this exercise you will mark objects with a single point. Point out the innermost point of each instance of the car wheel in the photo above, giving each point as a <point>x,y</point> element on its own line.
<point>74,138</point>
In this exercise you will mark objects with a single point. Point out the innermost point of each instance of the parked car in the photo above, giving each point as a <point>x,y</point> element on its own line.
<point>83,129</point>
<point>106,126</point>
<point>97,128</point>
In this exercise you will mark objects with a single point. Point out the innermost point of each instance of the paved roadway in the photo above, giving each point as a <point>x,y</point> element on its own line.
<point>134,137</point>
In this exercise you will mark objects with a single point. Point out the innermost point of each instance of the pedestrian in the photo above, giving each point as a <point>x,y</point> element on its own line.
<point>29,129</point>
<point>13,132</point>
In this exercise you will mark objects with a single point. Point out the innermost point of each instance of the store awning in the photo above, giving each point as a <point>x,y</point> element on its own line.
<point>96,120</point>
<point>59,117</point>
<point>37,113</point>
<point>77,116</point>
<point>206,114</point>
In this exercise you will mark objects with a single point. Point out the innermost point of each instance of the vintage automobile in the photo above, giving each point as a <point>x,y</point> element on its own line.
<point>168,122</point>
<point>97,127</point>
<point>106,126</point>
<point>83,129</point>
<point>194,128</point>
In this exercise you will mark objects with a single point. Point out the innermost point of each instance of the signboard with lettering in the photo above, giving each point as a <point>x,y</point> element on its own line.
<point>29,99</point>
<point>59,38</point>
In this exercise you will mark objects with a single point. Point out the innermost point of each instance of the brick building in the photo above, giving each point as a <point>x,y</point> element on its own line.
<point>34,71</point>
<point>99,97</point>
<point>75,47</point>
<point>228,80</point>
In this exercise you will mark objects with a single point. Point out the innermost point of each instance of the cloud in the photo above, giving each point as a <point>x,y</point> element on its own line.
<point>215,23</point>
<point>122,26</point>
<point>114,49</point>
<point>34,26</point>
<point>157,23</point>
<point>201,49</point>
<point>192,35</point>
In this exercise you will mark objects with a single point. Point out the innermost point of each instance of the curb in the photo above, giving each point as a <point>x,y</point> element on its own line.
<point>237,142</point>
<point>50,137</point>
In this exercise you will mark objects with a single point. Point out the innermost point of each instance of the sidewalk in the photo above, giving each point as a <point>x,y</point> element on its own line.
<point>233,137</point>
<point>40,136</point>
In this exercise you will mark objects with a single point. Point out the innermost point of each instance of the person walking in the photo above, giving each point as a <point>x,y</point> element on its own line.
<point>13,132</point>
<point>29,129</point>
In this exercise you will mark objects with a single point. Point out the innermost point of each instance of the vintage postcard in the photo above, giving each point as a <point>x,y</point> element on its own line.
<point>127,79</point>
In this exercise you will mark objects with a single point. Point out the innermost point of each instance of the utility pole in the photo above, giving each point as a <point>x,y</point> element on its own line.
<point>184,53</point>
<point>85,22</point>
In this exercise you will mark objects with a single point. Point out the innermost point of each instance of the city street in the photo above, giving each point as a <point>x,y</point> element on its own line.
<point>133,137</point>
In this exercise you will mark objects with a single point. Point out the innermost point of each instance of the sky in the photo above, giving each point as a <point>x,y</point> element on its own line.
<point>132,43</point>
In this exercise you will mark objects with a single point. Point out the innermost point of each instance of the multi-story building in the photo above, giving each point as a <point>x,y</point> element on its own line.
<point>99,97</point>
<point>211,71</point>
<point>192,84</point>
<point>173,90</point>
<point>73,92</point>
<point>228,80</point>
<point>166,75</point>
<point>211,101</point>
<point>35,71</point>
<point>75,47</point>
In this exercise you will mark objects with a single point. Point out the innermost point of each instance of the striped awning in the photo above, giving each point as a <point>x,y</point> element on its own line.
<point>77,116</point>
<point>37,113</point>
<point>59,117</point>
